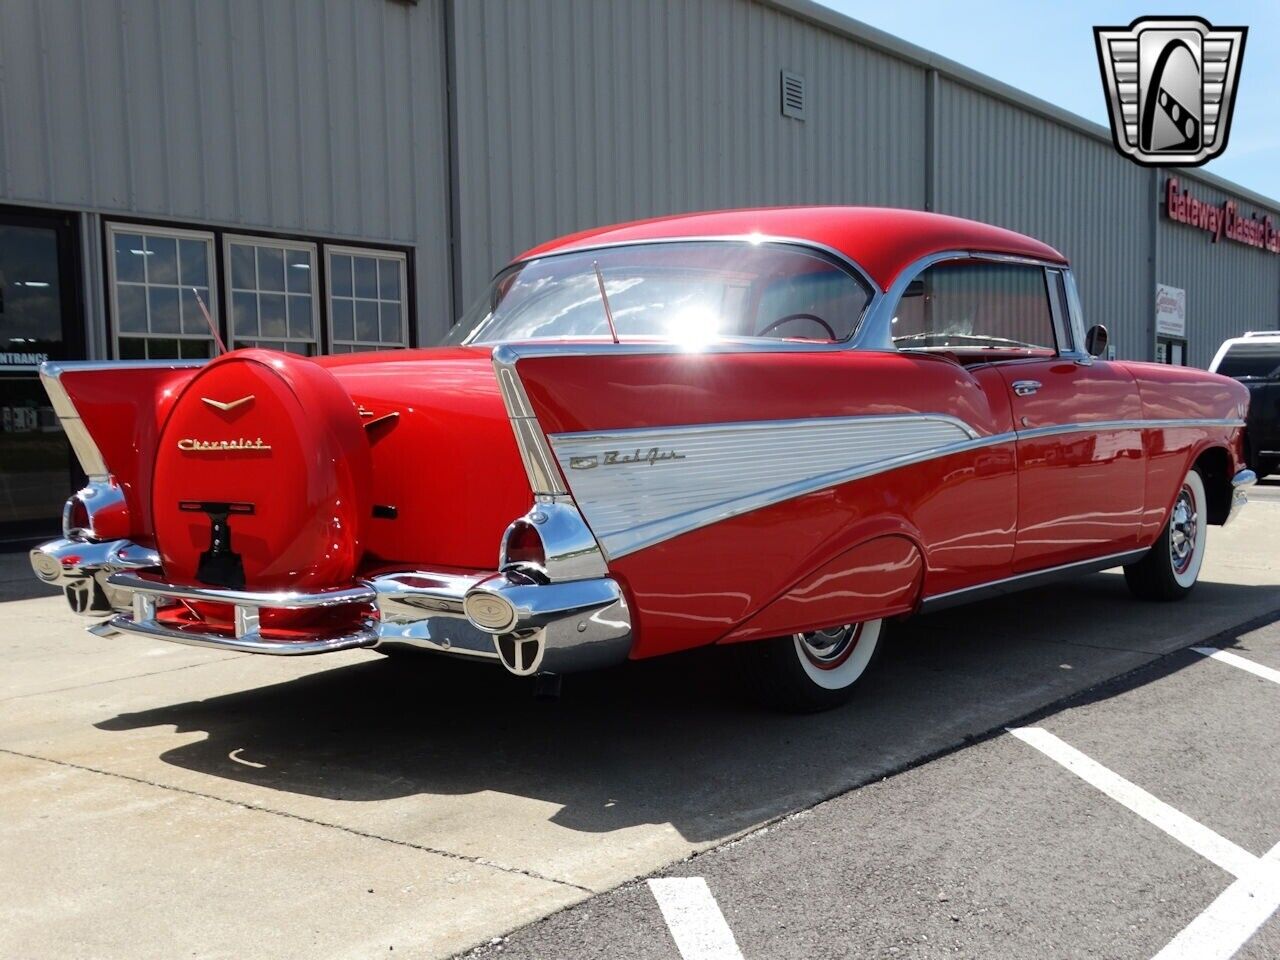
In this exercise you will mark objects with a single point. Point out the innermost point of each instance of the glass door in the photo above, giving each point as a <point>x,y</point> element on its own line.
<point>39,320</point>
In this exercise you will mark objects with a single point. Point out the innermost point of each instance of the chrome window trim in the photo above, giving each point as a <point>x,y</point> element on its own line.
<point>1075,316</point>
<point>876,330</point>
<point>754,239</point>
<point>82,444</point>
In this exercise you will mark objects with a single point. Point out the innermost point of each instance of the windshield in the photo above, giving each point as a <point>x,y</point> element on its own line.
<point>692,292</point>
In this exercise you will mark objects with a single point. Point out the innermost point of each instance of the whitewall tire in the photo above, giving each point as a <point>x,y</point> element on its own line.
<point>1171,568</point>
<point>808,672</point>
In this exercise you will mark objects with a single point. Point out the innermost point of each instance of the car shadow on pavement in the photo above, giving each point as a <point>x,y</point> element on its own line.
<point>669,740</point>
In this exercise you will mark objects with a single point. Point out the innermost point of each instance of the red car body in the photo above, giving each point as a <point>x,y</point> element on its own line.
<point>570,502</point>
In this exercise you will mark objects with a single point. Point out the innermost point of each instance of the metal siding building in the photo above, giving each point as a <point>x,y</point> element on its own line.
<point>346,174</point>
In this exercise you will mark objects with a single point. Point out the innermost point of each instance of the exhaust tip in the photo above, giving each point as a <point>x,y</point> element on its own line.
<point>521,655</point>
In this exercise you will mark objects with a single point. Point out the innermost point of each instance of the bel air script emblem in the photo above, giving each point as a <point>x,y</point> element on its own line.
<point>612,458</point>
<point>218,446</point>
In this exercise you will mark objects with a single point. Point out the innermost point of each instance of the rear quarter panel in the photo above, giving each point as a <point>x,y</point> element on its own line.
<point>948,520</point>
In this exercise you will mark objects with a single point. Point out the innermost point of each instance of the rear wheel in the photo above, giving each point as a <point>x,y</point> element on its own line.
<point>809,672</point>
<point>1170,569</point>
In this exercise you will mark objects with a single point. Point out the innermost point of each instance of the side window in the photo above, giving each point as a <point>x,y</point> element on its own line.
<point>972,306</point>
<point>822,303</point>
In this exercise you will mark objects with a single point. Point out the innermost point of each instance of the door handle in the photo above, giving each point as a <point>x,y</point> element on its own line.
<point>1025,388</point>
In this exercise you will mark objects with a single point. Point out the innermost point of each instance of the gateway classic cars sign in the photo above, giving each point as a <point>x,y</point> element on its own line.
<point>1220,220</point>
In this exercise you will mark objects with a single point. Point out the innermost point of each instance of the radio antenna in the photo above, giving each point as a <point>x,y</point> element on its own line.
<point>213,328</point>
<point>604,298</point>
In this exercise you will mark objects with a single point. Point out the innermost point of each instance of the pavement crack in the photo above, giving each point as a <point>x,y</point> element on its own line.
<point>135,676</point>
<point>257,808</point>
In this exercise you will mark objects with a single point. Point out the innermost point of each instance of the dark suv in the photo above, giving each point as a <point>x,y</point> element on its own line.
<point>1254,360</point>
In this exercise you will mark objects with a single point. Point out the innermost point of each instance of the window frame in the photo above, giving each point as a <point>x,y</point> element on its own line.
<point>355,345</point>
<point>467,331</point>
<point>112,227</point>
<point>279,243</point>
<point>134,224</point>
<point>1062,316</point>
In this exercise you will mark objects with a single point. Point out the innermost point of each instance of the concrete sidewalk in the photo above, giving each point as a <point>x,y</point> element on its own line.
<point>163,799</point>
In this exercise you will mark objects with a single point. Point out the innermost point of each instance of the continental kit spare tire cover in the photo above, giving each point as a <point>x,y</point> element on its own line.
<point>277,442</point>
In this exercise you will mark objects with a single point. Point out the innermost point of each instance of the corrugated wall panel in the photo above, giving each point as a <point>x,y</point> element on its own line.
<point>300,116</point>
<point>1230,287</point>
<point>574,113</point>
<point>1006,166</point>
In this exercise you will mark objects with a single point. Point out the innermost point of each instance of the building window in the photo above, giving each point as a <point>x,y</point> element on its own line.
<point>271,292</point>
<point>156,276</point>
<point>366,299</point>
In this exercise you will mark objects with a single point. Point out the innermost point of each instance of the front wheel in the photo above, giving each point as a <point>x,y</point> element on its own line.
<point>1170,569</point>
<point>810,672</point>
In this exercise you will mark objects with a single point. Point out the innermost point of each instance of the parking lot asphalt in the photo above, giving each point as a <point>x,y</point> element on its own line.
<point>161,799</point>
<point>995,849</point>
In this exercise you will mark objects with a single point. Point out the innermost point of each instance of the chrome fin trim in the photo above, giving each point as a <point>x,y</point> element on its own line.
<point>539,465</point>
<point>84,446</point>
<point>701,474</point>
<point>630,507</point>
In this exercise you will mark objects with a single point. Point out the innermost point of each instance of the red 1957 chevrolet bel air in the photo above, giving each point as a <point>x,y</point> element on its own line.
<point>771,430</point>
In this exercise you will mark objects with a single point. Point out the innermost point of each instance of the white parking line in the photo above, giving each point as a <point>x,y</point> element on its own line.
<point>1230,857</point>
<point>1227,923</point>
<point>1232,918</point>
<point>1235,660</point>
<point>694,919</point>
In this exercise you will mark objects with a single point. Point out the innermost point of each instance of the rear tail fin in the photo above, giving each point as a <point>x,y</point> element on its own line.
<point>111,413</point>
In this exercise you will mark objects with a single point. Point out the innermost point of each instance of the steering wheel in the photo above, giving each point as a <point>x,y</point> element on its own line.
<point>799,316</point>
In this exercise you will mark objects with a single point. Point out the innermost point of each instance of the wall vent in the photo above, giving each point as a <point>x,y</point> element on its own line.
<point>792,95</point>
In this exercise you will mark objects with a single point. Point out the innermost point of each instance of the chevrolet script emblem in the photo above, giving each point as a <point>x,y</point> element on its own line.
<point>228,405</point>
<point>220,446</point>
<point>1171,87</point>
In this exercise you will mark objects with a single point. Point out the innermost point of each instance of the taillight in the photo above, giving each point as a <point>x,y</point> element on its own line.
<point>75,518</point>
<point>523,545</point>
<point>98,512</point>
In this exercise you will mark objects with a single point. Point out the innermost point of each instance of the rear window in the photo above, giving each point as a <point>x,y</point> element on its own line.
<point>1250,360</point>
<point>691,292</point>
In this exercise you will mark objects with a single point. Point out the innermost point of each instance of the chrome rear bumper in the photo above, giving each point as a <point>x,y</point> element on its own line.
<point>553,627</point>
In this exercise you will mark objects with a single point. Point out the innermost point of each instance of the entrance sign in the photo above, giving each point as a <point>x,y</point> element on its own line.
<point>1171,311</point>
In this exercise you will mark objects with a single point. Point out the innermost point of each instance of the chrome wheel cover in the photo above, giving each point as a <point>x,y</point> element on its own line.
<point>1183,530</point>
<point>829,648</point>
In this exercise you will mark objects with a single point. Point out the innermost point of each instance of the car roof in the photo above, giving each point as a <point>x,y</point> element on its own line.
<point>881,240</point>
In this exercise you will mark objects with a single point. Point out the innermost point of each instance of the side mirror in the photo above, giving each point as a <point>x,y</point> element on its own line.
<point>1095,341</point>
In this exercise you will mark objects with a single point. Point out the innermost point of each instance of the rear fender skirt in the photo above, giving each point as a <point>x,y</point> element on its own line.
<point>878,578</point>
